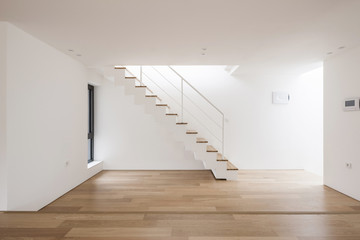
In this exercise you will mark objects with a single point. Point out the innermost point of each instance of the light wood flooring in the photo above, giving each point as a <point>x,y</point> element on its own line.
<point>191,205</point>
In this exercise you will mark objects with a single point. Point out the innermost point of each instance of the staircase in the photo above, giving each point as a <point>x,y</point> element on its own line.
<point>211,158</point>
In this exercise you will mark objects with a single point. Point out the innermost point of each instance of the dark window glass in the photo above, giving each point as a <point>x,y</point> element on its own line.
<point>91,124</point>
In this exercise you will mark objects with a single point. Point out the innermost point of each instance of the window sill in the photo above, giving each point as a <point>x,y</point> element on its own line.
<point>93,164</point>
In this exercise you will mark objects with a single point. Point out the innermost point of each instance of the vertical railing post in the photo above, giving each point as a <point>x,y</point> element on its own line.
<point>182,100</point>
<point>141,74</point>
<point>223,137</point>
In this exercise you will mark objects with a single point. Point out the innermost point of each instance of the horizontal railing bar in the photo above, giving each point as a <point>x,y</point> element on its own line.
<point>197,91</point>
<point>160,87</point>
<point>180,106</point>
<point>188,98</point>
<point>184,80</point>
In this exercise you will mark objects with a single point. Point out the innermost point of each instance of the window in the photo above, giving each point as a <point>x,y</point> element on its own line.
<point>91,123</point>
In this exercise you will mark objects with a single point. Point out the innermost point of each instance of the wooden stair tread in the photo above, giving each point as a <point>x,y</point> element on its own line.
<point>231,166</point>
<point>161,105</point>
<point>150,95</point>
<point>181,123</point>
<point>201,140</point>
<point>120,67</point>
<point>219,157</point>
<point>191,132</point>
<point>130,77</point>
<point>140,86</point>
<point>171,114</point>
<point>210,148</point>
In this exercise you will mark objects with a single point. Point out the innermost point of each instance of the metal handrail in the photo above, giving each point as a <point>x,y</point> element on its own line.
<point>196,90</point>
<point>175,101</point>
<point>186,97</point>
<point>182,102</point>
<point>223,116</point>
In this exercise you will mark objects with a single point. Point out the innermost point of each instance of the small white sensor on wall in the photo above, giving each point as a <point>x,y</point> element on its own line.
<point>279,97</point>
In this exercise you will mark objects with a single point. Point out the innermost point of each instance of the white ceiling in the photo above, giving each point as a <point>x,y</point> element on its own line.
<point>258,35</point>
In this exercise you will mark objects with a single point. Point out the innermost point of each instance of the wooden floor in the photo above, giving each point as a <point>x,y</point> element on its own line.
<point>191,205</point>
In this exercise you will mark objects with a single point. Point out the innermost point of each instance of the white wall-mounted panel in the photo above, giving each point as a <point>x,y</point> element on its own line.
<point>280,97</point>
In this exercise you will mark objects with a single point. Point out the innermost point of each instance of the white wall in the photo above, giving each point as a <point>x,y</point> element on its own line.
<point>259,134</point>
<point>127,138</point>
<point>3,174</point>
<point>310,115</point>
<point>341,129</point>
<point>46,122</point>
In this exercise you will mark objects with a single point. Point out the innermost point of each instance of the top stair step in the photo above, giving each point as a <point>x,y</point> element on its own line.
<point>120,67</point>
<point>130,77</point>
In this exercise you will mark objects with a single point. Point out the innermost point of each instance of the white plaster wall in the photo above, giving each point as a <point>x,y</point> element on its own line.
<point>341,129</point>
<point>259,134</point>
<point>46,122</point>
<point>310,115</point>
<point>127,138</point>
<point>3,167</point>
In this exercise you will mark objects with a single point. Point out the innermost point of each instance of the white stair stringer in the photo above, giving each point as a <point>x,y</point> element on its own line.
<point>119,75</point>
<point>139,95</point>
<point>180,132</point>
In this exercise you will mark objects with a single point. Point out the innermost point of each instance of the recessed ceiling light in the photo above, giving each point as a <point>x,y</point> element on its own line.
<point>342,47</point>
<point>79,55</point>
<point>204,49</point>
<point>329,53</point>
<point>70,50</point>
